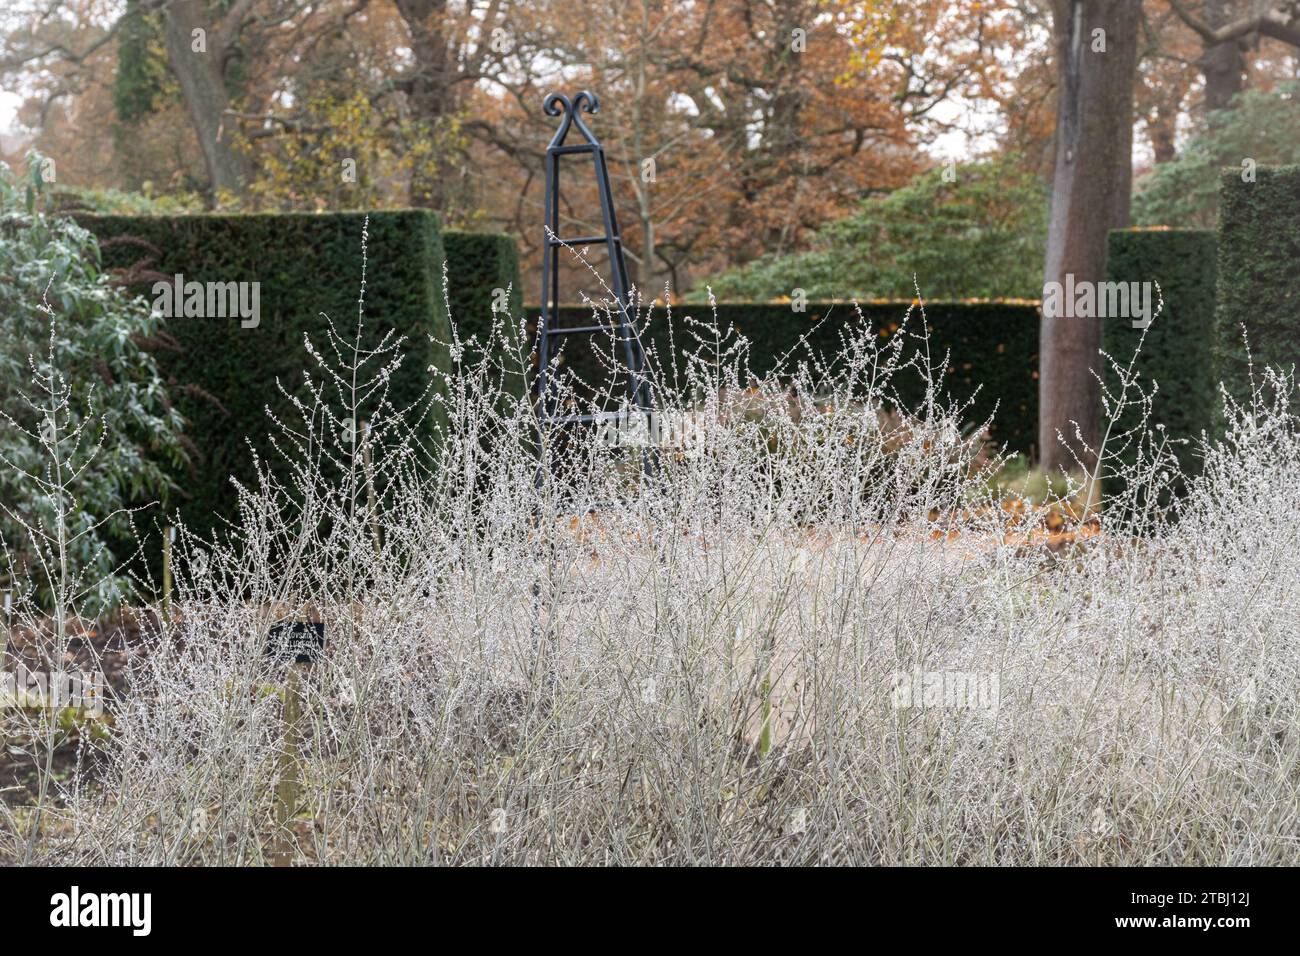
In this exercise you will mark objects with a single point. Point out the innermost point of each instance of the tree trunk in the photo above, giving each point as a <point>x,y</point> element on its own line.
<point>1163,131</point>
<point>429,92</point>
<point>1223,64</point>
<point>648,284</point>
<point>1090,196</point>
<point>202,83</point>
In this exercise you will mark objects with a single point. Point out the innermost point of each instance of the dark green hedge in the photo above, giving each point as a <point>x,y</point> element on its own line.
<point>478,264</point>
<point>481,268</point>
<point>1259,273</point>
<point>1177,351</point>
<point>223,376</point>
<point>990,343</point>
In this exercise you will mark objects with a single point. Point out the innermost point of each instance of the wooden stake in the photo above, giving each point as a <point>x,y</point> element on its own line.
<point>288,787</point>
<point>4,638</point>
<point>169,535</point>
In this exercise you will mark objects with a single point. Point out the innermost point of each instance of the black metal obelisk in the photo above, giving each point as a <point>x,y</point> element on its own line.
<point>549,328</point>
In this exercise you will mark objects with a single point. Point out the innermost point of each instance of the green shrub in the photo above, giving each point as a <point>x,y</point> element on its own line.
<point>308,266</point>
<point>1259,273</point>
<point>990,344</point>
<point>1176,351</point>
<point>111,395</point>
<point>980,236</point>
<point>115,202</point>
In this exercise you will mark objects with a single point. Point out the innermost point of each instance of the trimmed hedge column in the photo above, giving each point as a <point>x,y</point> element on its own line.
<point>990,344</point>
<point>1259,273</point>
<point>483,278</point>
<point>225,374</point>
<point>1176,351</point>
<point>478,265</point>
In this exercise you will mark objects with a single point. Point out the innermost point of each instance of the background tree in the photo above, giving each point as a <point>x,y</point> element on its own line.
<point>1228,29</point>
<point>1261,128</point>
<point>763,120</point>
<point>202,46</point>
<point>1167,72</point>
<point>729,132</point>
<point>1096,58</point>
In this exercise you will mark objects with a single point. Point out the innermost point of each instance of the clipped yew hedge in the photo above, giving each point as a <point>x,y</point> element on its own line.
<point>223,376</point>
<point>483,281</point>
<point>1176,349</point>
<point>1259,273</point>
<point>481,268</point>
<point>993,344</point>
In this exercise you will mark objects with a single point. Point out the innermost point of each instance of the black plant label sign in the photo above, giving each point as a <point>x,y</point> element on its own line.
<point>300,641</point>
